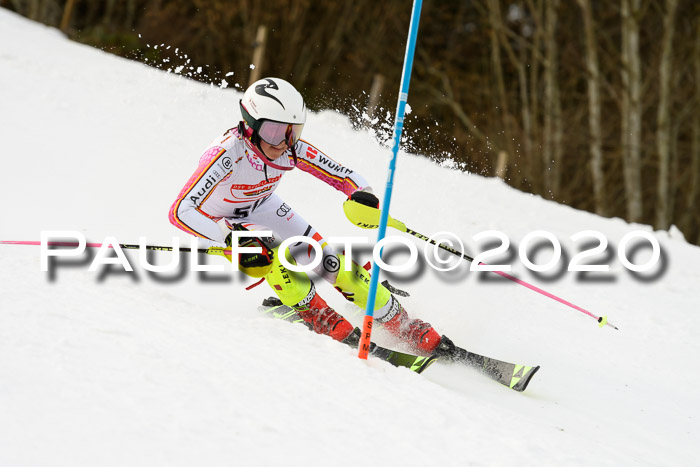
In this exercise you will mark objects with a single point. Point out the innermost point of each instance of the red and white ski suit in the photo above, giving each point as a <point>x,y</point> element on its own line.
<point>232,183</point>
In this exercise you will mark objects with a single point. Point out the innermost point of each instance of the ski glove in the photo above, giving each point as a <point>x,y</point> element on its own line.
<point>253,264</point>
<point>366,198</point>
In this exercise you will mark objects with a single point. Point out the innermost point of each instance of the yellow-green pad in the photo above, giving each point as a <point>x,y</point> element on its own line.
<point>368,217</point>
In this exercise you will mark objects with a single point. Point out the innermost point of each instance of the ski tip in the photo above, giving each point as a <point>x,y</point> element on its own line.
<point>521,385</point>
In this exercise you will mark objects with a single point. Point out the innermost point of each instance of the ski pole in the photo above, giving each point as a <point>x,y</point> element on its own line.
<point>367,217</point>
<point>365,339</point>
<point>219,251</point>
<point>214,250</point>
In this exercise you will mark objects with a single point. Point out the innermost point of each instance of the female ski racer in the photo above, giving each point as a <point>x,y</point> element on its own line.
<point>236,180</point>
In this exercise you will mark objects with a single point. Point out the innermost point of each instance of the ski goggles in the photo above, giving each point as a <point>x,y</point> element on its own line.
<point>275,133</point>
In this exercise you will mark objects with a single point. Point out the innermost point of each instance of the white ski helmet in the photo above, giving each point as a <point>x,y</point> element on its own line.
<point>273,111</point>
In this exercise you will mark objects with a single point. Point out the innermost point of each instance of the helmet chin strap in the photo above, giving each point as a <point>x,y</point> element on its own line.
<point>272,164</point>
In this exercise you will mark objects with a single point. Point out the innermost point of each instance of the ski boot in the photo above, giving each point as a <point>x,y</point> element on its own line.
<point>323,319</point>
<point>417,333</point>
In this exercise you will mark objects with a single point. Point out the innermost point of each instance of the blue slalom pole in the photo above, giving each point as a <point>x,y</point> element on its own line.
<point>365,339</point>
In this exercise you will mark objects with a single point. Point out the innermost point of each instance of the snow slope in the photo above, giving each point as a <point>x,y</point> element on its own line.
<point>113,368</point>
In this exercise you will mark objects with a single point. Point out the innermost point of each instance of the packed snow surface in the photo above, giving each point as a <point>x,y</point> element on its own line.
<point>137,368</point>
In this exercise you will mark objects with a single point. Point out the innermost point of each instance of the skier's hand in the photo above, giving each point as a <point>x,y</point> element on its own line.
<point>365,197</point>
<point>253,264</point>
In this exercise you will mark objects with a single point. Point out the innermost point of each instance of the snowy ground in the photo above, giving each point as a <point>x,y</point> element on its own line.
<point>109,368</point>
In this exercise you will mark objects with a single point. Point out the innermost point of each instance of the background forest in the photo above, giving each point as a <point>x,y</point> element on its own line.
<point>595,104</point>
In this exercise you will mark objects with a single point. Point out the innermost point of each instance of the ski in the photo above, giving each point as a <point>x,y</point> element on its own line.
<point>515,376</point>
<point>273,307</point>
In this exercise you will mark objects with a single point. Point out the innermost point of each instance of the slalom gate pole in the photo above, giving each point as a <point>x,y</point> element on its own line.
<point>365,339</point>
<point>367,217</point>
